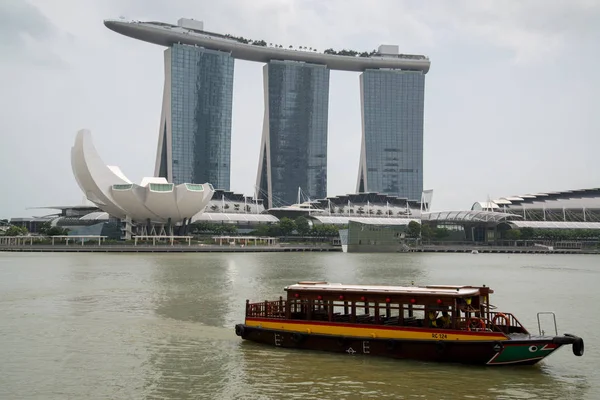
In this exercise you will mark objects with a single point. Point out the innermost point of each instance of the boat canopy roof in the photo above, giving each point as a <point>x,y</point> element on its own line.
<point>432,290</point>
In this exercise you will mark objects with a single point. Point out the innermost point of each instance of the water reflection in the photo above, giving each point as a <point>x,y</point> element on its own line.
<point>192,288</point>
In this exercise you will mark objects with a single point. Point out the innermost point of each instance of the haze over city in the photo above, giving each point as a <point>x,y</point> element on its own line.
<point>508,99</point>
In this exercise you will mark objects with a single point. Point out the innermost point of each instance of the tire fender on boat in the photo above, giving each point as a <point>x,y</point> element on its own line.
<point>578,347</point>
<point>239,330</point>
<point>563,339</point>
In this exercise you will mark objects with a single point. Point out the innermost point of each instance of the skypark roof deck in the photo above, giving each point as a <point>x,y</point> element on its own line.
<point>166,35</point>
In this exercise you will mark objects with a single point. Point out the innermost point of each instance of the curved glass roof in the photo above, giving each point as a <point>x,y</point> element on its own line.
<point>364,220</point>
<point>468,216</point>
<point>97,215</point>
<point>555,225</point>
<point>235,217</point>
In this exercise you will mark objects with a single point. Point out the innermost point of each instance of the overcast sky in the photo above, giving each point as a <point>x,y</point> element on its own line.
<point>511,98</point>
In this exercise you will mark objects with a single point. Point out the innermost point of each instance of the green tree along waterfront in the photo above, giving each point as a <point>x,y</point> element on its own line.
<point>48,230</point>
<point>16,231</point>
<point>302,226</point>
<point>285,227</point>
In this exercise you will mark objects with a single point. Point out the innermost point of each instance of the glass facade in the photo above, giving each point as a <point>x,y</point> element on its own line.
<point>201,107</point>
<point>298,101</point>
<point>392,153</point>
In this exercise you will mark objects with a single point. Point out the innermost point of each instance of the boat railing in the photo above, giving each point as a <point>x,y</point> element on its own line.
<point>506,322</point>
<point>266,309</point>
<point>497,322</point>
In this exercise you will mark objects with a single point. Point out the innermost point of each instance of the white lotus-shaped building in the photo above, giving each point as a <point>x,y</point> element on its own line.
<point>154,200</point>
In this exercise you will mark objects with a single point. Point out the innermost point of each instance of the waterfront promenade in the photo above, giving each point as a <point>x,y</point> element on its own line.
<point>143,248</point>
<point>278,248</point>
<point>440,248</point>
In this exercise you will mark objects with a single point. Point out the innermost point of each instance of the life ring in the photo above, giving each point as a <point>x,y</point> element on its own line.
<point>503,316</point>
<point>477,321</point>
<point>239,330</point>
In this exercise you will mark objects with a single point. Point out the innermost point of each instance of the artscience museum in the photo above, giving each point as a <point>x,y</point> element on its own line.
<point>153,207</point>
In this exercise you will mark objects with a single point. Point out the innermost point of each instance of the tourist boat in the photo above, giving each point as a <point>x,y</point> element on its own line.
<point>432,323</point>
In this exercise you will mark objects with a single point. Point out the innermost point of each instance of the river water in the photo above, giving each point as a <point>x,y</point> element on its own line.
<point>161,326</point>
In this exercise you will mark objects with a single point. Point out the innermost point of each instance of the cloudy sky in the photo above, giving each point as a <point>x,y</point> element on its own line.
<point>510,104</point>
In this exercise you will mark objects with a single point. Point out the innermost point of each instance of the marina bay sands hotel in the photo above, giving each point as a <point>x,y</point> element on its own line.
<point>194,143</point>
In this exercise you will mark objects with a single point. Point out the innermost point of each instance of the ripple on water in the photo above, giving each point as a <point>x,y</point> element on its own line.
<point>161,327</point>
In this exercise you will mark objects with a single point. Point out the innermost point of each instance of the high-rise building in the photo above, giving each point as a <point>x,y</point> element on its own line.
<point>391,159</point>
<point>293,151</point>
<point>194,143</point>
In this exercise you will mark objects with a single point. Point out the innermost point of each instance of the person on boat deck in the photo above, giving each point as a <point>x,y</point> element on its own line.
<point>441,322</point>
<point>432,320</point>
<point>444,321</point>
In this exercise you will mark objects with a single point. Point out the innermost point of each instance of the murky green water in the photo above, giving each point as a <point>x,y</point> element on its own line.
<point>161,326</point>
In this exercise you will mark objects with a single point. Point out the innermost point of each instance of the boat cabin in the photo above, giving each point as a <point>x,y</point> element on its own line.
<point>433,306</point>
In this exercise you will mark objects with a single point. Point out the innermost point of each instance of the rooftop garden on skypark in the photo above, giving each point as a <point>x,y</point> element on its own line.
<point>263,43</point>
<point>343,52</point>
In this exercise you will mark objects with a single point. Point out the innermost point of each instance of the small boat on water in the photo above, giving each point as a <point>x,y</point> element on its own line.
<point>431,323</point>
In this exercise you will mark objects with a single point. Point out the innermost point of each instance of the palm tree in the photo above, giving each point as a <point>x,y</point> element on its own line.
<point>214,207</point>
<point>236,207</point>
<point>360,210</point>
<point>379,212</point>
